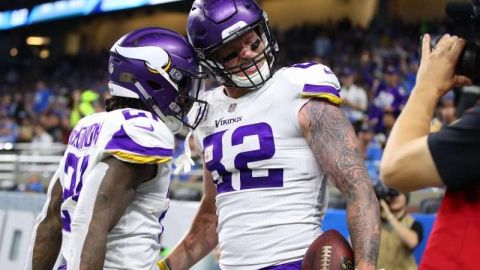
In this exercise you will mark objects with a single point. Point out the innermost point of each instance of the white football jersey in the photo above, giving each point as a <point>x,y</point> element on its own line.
<point>271,193</point>
<point>129,135</point>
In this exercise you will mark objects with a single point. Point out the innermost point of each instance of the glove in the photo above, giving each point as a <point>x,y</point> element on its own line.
<point>183,163</point>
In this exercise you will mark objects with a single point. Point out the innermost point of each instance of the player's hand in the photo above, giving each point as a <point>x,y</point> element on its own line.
<point>437,67</point>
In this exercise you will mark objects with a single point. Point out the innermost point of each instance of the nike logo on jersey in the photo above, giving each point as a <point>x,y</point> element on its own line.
<point>222,122</point>
<point>327,71</point>
<point>146,128</point>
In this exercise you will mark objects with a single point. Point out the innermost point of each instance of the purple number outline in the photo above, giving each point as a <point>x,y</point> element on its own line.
<point>130,114</point>
<point>247,181</point>
<point>215,141</point>
<point>71,161</point>
<point>266,151</point>
<point>304,65</point>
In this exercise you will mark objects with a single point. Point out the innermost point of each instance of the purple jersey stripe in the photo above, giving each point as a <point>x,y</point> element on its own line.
<point>63,266</point>
<point>312,88</point>
<point>287,266</point>
<point>66,220</point>
<point>121,141</point>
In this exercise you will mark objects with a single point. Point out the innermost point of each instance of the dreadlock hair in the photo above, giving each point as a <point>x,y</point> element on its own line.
<point>115,103</point>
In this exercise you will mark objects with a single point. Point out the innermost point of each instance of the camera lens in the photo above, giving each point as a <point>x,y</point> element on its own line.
<point>469,61</point>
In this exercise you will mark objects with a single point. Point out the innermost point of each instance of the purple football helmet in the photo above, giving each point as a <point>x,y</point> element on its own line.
<point>159,67</point>
<point>214,23</point>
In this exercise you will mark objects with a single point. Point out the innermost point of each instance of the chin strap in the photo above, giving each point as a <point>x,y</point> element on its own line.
<point>184,162</point>
<point>255,79</point>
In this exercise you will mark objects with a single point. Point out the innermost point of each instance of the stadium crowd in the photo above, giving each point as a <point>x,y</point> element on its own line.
<point>42,100</point>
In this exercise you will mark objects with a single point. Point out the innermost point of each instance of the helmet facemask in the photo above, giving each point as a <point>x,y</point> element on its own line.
<point>193,83</point>
<point>185,82</point>
<point>237,76</point>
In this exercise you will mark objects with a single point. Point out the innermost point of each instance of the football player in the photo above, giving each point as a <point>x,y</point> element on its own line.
<point>270,140</point>
<point>108,197</point>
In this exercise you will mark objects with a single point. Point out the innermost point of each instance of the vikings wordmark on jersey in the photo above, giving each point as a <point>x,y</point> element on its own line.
<point>264,169</point>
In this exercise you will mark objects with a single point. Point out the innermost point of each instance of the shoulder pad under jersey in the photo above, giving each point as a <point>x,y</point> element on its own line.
<point>315,81</point>
<point>141,138</point>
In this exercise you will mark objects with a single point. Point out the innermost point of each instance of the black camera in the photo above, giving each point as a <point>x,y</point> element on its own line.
<point>386,193</point>
<point>464,13</point>
<point>469,61</point>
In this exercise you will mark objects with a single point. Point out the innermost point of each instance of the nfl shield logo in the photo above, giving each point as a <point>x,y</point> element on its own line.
<point>232,107</point>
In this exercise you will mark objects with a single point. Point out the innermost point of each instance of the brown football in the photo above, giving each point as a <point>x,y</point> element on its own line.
<point>330,251</point>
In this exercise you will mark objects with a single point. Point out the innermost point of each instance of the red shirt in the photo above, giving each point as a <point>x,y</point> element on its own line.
<point>455,238</point>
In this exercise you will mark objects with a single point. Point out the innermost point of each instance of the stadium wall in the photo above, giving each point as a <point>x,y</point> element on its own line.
<point>19,210</point>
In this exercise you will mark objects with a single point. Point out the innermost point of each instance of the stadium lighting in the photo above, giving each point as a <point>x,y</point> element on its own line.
<point>38,41</point>
<point>44,53</point>
<point>13,52</point>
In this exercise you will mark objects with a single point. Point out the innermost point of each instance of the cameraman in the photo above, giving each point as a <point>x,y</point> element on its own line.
<point>400,232</point>
<point>414,159</point>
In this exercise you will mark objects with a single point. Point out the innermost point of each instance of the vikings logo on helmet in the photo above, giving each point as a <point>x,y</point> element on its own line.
<point>159,67</point>
<point>156,59</point>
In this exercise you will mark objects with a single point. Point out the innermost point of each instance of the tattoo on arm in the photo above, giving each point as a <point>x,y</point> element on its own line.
<point>49,233</point>
<point>334,144</point>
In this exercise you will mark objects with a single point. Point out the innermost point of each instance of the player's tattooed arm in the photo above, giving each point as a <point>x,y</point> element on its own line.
<point>334,144</point>
<point>116,192</point>
<point>48,239</point>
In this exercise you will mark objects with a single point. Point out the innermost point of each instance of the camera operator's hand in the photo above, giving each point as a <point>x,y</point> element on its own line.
<point>436,72</point>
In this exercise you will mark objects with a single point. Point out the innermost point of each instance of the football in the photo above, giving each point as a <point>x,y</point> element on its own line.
<point>330,251</point>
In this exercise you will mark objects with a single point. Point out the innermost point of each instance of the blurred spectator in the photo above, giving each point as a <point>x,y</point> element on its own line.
<point>388,120</point>
<point>411,75</point>
<point>371,150</point>
<point>51,122</point>
<point>322,45</point>
<point>41,139</point>
<point>18,107</point>
<point>6,105</point>
<point>42,97</point>
<point>34,184</point>
<point>400,233</point>
<point>447,109</point>
<point>388,98</point>
<point>367,68</point>
<point>88,98</point>
<point>354,97</point>
<point>74,105</point>
<point>25,130</point>
<point>8,129</point>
